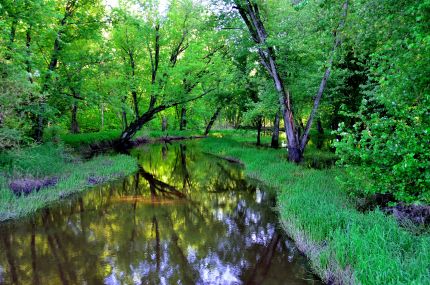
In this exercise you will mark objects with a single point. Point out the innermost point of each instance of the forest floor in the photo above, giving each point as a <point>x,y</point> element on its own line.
<point>33,178</point>
<point>344,245</point>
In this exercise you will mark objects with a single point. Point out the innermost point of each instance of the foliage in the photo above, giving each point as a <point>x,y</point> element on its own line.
<point>391,136</point>
<point>15,105</point>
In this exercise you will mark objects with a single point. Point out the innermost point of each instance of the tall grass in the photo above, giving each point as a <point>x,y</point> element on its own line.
<point>343,244</point>
<point>84,139</point>
<point>53,160</point>
<point>76,140</point>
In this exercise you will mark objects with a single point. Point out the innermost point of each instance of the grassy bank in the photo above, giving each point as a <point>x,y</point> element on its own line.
<point>76,140</point>
<point>85,139</point>
<point>49,160</point>
<point>343,245</point>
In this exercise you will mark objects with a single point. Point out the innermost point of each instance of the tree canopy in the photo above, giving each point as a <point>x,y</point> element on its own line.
<point>356,70</point>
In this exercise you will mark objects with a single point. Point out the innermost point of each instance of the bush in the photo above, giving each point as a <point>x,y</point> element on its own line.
<point>391,137</point>
<point>396,161</point>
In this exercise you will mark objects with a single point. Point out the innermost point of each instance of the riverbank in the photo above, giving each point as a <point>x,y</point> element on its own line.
<point>345,246</point>
<point>33,178</point>
<point>143,136</point>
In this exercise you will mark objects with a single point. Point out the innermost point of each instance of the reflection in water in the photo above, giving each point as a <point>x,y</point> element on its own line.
<point>183,218</point>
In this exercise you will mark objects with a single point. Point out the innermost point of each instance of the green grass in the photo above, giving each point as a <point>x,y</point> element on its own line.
<point>351,246</point>
<point>89,138</point>
<point>173,133</point>
<point>50,160</point>
<point>84,139</point>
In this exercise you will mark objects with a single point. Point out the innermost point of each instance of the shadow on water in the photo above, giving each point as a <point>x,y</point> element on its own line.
<point>183,218</point>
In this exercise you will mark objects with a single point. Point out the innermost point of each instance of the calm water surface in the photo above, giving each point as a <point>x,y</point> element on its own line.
<point>185,218</point>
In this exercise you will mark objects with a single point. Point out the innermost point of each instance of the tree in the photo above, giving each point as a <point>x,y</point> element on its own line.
<point>180,63</point>
<point>250,13</point>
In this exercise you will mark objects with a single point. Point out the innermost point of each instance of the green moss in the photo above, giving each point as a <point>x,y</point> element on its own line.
<point>355,247</point>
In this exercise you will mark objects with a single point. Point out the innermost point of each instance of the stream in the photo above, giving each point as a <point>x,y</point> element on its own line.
<point>185,217</point>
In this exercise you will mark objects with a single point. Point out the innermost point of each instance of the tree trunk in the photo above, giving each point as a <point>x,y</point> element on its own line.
<point>135,103</point>
<point>124,118</point>
<point>320,137</point>
<point>38,134</point>
<point>259,126</point>
<point>28,50</point>
<point>264,127</point>
<point>155,60</point>
<point>275,134</point>
<point>137,124</point>
<point>133,88</point>
<point>249,11</point>
<point>102,114</point>
<point>320,127</point>
<point>295,153</point>
<point>164,123</point>
<point>12,35</point>
<point>183,119</point>
<point>74,126</point>
<point>51,67</point>
<point>70,8</point>
<point>212,121</point>
<point>323,84</point>
<point>131,130</point>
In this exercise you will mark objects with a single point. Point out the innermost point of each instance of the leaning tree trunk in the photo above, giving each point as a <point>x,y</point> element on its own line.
<point>74,126</point>
<point>130,131</point>
<point>323,84</point>
<point>250,13</point>
<point>212,121</point>
<point>275,134</point>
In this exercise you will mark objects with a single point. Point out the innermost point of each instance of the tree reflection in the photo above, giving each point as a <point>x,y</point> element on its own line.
<point>184,217</point>
<point>10,258</point>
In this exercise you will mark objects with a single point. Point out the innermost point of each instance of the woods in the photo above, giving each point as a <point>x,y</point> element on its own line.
<point>341,86</point>
<point>84,66</point>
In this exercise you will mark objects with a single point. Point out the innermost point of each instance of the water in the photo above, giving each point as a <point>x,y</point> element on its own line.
<point>185,218</point>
